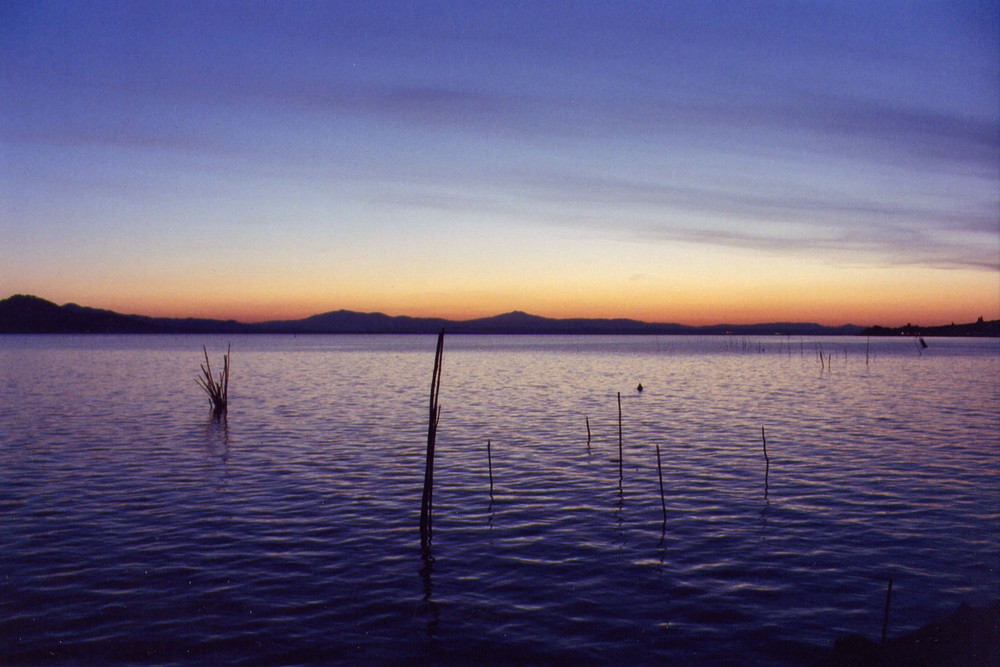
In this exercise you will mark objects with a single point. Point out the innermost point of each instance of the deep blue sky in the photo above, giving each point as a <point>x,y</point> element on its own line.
<point>681,161</point>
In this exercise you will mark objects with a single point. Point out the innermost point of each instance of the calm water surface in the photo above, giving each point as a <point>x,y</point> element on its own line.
<point>135,529</point>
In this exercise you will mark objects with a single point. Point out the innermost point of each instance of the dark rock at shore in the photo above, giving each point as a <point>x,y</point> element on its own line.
<point>968,637</point>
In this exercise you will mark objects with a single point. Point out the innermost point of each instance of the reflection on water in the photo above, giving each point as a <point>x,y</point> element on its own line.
<point>430,606</point>
<point>217,445</point>
<point>135,528</point>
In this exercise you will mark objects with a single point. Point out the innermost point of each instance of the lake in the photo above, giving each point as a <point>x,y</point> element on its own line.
<point>134,528</point>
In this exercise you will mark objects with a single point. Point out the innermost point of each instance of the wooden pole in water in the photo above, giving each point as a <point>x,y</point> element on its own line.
<point>659,471</point>
<point>767,460</point>
<point>588,433</point>
<point>434,414</point>
<point>489,459</point>
<point>620,457</point>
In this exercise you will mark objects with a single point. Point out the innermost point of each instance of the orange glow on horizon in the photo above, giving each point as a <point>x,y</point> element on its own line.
<point>693,310</point>
<point>724,292</point>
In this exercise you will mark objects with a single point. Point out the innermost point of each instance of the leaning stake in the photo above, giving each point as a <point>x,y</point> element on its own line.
<point>434,414</point>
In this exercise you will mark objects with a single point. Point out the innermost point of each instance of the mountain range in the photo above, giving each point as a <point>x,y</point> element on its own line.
<point>30,314</point>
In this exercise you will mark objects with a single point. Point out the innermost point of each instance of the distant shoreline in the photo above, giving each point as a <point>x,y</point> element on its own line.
<point>26,314</point>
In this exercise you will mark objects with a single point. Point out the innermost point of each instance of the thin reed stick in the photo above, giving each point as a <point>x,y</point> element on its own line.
<point>434,415</point>
<point>767,460</point>
<point>588,433</point>
<point>659,471</point>
<point>620,457</point>
<point>489,459</point>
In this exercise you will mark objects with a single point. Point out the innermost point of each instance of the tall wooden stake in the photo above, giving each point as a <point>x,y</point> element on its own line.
<point>434,414</point>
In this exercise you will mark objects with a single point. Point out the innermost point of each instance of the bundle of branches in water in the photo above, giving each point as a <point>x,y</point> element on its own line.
<point>218,390</point>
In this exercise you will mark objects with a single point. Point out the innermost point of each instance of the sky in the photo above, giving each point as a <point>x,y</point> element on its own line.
<point>697,162</point>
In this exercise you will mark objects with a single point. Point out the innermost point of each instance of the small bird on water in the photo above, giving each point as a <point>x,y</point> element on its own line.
<point>639,388</point>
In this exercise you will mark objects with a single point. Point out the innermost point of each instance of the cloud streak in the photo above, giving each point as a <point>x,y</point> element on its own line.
<point>842,231</point>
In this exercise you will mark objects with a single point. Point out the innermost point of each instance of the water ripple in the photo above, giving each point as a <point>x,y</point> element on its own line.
<point>144,532</point>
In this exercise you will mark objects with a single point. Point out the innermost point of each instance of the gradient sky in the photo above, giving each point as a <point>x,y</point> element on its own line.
<point>696,162</point>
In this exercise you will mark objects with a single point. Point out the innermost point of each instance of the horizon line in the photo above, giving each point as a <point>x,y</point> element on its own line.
<point>516,311</point>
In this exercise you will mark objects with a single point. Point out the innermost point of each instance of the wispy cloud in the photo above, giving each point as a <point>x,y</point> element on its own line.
<point>841,230</point>
<point>894,131</point>
<point>874,244</point>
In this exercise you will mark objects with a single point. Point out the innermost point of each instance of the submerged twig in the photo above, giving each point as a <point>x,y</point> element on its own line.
<point>885,612</point>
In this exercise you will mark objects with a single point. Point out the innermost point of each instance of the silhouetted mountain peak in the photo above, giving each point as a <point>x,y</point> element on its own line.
<point>25,313</point>
<point>514,316</point>
<point>27,301</point>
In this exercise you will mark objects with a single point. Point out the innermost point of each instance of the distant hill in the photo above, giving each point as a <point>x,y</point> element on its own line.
<point>30,314</point>
<point>979,329</point>
<point>347,321</point>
